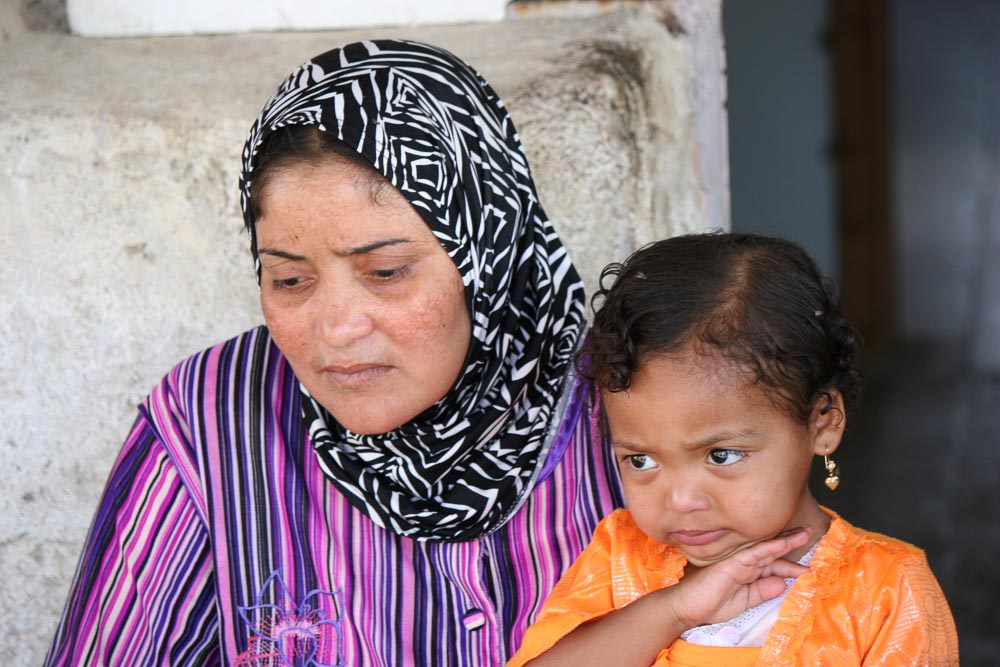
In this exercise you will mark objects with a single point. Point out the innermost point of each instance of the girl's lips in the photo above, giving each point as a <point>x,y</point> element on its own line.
<point>697,538</point>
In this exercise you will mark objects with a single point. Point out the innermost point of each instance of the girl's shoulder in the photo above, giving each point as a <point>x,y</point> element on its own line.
<point>619,524</point>
<point>620,531</point>
<point>848,551</point>
<point>845,535</point>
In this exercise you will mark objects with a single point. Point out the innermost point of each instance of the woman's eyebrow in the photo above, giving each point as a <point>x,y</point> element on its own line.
<point>280,253</point>
<point>369,247</point>
<point>358,250</point>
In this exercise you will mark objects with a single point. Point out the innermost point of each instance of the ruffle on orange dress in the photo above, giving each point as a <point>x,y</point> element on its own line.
<point>867,599</point>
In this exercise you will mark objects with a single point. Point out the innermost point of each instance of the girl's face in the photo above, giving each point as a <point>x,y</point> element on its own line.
<point>359,296</point>
<point>709,464</point>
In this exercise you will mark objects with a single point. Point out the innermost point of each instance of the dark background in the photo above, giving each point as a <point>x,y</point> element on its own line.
<point>869,131</point>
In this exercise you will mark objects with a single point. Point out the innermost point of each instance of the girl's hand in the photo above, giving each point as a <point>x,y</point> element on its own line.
<point>725,589</point>
<point>635,634</point>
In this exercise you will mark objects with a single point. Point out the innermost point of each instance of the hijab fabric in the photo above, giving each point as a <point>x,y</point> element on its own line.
<point>437,131</point>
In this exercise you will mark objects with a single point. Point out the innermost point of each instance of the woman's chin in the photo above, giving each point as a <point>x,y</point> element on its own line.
<point>365,412</point>
<point>369,425</point>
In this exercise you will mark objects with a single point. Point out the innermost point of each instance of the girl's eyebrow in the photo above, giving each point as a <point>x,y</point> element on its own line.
<point>631,446</point>
<point>711,439</point>
<point>721,436</point>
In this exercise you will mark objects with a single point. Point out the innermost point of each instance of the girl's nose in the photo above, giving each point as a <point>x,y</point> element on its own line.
<point>343,316</point>
<point>685,495</point>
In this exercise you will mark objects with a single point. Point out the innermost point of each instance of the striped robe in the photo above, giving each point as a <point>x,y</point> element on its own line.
<point>220,541</point>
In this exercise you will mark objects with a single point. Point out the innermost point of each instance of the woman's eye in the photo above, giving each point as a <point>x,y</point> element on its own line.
<point>285,284</point>
<point>725,457</point>
<point>389,275</point>
<point>640,462</point>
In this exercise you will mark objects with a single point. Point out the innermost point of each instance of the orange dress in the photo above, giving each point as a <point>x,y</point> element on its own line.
<point>867,599</point>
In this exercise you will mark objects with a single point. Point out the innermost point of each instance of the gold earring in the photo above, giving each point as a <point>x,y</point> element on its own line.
<point>832,473</point>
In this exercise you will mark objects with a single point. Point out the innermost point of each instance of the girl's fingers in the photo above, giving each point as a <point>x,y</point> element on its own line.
<point>797,537</point>
<point>764,589</point>
<point>745,579</point>
<point>783,568</point>
<point>770,550</point>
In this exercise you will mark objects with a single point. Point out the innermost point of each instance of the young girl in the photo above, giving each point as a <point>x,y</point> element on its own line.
<point>724,367</point>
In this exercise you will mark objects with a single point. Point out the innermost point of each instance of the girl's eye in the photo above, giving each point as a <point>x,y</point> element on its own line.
<point>640,462</point>
<point>725,457</point>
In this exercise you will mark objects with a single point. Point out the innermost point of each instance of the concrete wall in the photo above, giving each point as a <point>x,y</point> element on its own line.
<point>141,18</point>
<point>121,248</point>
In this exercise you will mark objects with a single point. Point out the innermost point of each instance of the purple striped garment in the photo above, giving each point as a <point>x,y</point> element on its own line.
<point>220,541</point>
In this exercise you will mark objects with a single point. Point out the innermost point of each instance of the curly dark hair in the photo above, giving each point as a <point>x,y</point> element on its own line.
<point>758,302</point>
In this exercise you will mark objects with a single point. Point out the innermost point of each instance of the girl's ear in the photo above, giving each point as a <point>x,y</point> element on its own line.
<point>827,422</point>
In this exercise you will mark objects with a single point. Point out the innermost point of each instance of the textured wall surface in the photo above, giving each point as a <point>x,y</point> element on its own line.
<point>121,249</point>
<point>139,18</point>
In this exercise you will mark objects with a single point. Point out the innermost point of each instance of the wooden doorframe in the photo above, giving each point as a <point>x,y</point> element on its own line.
<point>860,45</point>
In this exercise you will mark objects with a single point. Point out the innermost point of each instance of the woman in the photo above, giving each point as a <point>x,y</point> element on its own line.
<point>396,469</point>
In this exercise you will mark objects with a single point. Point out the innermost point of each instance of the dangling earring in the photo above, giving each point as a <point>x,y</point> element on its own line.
<point>832,473</point>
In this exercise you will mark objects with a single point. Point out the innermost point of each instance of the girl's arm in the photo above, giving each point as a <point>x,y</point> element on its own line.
<point>636,633</point>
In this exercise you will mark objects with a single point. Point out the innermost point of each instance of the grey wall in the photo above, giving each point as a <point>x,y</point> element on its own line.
<point>945,68</point>
<point>779,85</point>
<point>945,120</point>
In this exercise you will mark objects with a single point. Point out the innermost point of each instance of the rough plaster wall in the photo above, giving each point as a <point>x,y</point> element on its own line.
<point>121,249</point>
<point>45,15</point>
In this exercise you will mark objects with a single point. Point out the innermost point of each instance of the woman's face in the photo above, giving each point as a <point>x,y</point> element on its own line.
<point>359,296</point>
<point>709,465</point>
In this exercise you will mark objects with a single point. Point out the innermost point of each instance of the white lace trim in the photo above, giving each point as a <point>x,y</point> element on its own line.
<point>749,628</point>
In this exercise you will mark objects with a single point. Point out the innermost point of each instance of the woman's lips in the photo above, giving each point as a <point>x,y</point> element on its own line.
<point>357,375</point>
<point>697,538</point>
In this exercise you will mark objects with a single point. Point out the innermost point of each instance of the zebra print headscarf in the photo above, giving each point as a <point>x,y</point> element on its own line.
<point>438,132</point>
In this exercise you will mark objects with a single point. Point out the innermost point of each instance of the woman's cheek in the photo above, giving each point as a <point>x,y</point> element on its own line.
<point>285,327</point>
<point>423,323</point>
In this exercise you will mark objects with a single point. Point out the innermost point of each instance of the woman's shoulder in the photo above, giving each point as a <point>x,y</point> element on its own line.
<point>211,395</point>
<point>246,367</point>
<point>246,357</point>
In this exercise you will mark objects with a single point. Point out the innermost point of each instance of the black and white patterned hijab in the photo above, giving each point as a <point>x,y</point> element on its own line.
<point>438,132</point>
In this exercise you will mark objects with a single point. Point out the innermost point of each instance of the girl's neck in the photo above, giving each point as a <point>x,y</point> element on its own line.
<point>812,515</point>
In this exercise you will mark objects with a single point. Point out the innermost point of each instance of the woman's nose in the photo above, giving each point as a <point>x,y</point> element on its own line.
<point>343,315</point>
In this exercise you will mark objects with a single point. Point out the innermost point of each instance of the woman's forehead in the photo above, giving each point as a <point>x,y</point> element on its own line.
<point>329,200</point>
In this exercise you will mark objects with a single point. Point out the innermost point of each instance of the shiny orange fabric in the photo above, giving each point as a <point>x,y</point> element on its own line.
<point>867,599</point>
